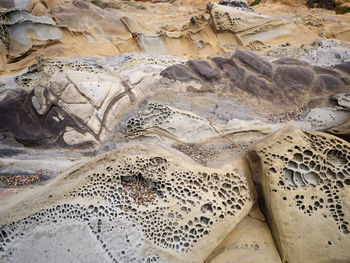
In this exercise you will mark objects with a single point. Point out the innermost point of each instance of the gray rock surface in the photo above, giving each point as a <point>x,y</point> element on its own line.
<point>19,22</point>
<point>285,81</point>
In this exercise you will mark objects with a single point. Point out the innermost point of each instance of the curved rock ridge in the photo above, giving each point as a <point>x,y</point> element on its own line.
<point>303,180</point>
<point>21,30</point>
<point>184,126</point>
<point>286,81</point>
<point>137,204</point>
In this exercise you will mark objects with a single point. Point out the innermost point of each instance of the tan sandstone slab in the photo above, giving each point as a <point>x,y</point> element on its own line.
<point>250,242</point>
<point>137,204</point>
<point>303,179</point>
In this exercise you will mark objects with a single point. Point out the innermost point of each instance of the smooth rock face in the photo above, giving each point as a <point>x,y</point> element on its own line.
<point>342,130</point>
<point>132,205</point>
<point>24,30</point>
<point>303,179</point>
<point>249,242</point>
<point>17,119</point>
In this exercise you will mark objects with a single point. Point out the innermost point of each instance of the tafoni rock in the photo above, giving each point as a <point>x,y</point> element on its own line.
<point>303,181</point>
<point>138,204</point>
<point>174,131</point>
<point>244,23</point>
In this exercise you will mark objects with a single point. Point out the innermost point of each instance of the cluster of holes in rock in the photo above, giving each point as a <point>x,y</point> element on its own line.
<point>129,61</point>
<point>52,67</point>
<point>147,183</point>
<point>47,68</point>
<point>226,22</point>
<point>324,164</point>
<point>95,216</point>
<point>154,115</point>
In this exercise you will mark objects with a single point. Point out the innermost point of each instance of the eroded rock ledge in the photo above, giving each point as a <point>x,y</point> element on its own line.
<point>80,101</point>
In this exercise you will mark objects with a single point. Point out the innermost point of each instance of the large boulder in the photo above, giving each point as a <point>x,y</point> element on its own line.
<point>303,180</point>
<point>138,204</point>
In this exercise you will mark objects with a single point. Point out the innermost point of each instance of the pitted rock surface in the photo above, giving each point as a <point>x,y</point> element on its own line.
<point>303,179</point>
<point>73,102</point>
<point>138,204</point>
<point>286,81</point>
<point>244,23</point>
<point>183,126</point>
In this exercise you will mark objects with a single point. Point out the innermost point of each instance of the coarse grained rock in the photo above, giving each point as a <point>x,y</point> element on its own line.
<point>139,203</point>
<point>303,180</point>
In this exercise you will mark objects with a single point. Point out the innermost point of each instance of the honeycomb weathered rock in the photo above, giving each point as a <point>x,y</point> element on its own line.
<point>303,179</point>
<point>138,204</point>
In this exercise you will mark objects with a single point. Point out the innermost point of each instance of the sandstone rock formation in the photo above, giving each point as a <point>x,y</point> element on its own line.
<point>21,30</point>
<point>244,23</point>
<point>303,181</point>
<point>133,131</point>
<point>106,28</point>
<point>69,102</point>
<point>185,127</point>
<point>249,242</point>
<point>138,204</point>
